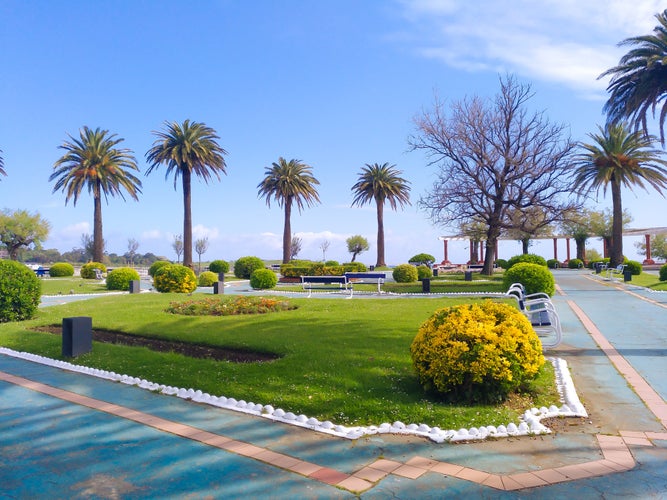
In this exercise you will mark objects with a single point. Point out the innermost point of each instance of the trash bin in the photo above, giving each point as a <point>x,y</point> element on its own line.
<point>426,285</point>
<point>77,336</point>
<point>598,267</point>
<point>218,288</point>
<point>627,276</point>
<point>435,271</point>
<point>371,268</point>
<point>467,276</point>
<point>135,286</point>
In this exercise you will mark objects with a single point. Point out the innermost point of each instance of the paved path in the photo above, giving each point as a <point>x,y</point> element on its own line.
<point>67,435</point>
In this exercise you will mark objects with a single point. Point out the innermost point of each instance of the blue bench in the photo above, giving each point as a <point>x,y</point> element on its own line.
<point>41,272</point>
<point>324,282</point>
<point>364,278</point>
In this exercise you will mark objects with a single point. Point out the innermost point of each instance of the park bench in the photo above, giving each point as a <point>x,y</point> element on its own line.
<point>365,278</point>
<point>42,272</point>
<point>311,283</point>
<point>612,272</point>
<point>541,313</point>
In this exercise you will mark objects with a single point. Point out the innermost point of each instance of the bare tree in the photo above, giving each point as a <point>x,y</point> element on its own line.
<point>177,245</point>
<point>295,247</point>
<point>201,245</point>
<point>132,246</point>
<point>325,247</point>
<point>494,158</point>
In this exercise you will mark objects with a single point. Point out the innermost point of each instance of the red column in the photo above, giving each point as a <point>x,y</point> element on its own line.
<point>648,259</point>
<point>567,248</point>
<point>446,261</point>
<point>555,248</point>
<point>472,251</point>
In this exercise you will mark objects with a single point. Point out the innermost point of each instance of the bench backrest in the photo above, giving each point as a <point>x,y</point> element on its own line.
<point>323,279</point>
<point>360,276</point>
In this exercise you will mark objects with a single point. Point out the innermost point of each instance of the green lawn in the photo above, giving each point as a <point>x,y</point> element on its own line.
<point>347,361</point>
<point>67,286</point>
<point>649,281</point>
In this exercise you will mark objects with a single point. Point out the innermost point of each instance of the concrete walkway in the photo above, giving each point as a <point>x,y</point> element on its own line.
<point>67,435</point>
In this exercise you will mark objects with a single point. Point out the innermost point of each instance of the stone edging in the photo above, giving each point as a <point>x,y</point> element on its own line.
<point>530,424</point>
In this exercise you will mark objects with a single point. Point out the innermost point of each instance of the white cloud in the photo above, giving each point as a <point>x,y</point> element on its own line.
<point>152,234</point>
<point>201,231</point>
<point>564,41</point>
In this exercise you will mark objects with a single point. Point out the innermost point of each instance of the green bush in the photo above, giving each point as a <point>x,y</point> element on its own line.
<point>634,267</point>
<point>175,278</point>
<point>405,273</point>
<point>575,264</point>
<point>88,270</point>
<point>244,266</point>
<point>262,279</point>
<point>331,263</point>
<point>355,267</point>
<point>61,269</point>
<point>20,290</point>
<point>553,264</point>
<point>502,263</point>
<point>155,266</point>
<point>424,272</point>
<point>476,352</point>
<point>207,278</point>
<point>526,257</point>
<point>534,277</point>
<point>119,279</point>
<point>663,273</point>
<point>219,266</point>
<point>422,259</point>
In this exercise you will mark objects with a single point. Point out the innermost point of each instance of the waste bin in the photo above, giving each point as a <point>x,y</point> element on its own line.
<point>426,285</point>
<point>598,267</point>
<point>627,276</point>
<point>135,286</point>
<point>467,275</point>
<point>371,268</point>
<point>218,288</point>
<point>77,336</point>
<point>435,271</point>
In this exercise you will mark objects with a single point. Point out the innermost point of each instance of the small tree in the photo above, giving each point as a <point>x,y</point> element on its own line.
<point>132,246</point>
<point>295,247</point>
<point>324,246</point>
<point>422,259</point>
<point>201,245</point>
<point>356,244</point>
<point>177,245</point>
<point>20,229</point>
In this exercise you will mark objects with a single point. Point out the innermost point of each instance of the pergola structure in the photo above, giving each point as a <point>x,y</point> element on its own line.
<point>477,247</point>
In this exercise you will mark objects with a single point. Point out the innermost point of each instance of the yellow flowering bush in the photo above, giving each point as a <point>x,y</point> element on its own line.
<point>476,352</point>
<point>174,278</point>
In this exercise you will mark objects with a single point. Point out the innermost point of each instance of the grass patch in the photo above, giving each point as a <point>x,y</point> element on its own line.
<point>649,280</point>
<point>68,286</point>
<point>341,360</point>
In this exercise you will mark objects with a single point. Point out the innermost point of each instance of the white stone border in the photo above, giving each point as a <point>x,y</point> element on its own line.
<point>530,424</point>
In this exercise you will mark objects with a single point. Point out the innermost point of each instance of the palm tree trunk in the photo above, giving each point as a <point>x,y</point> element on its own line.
<point>616,254</point>
<point>98,238</point>
<point>187,218</point>
<point>380,240</point>
<point>525,244</point>
<point>287,231</point>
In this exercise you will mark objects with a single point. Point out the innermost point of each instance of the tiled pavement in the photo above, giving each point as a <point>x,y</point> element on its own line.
<point>69,435</point>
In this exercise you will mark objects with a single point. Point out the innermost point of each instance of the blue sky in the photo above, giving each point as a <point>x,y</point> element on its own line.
<point>336,84</point>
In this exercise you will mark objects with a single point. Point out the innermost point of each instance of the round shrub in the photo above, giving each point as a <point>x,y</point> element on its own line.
<point>476,352</point>
<point>61,269</point>
<point>20,290</point>
<point>175,278</point>
<point>88,270</point>
<point>424,272</point>
<point>355,267</point>
<point>501,263</point>
<point>119,279</point>
<point>575,264</point>
<point>331,263</point>
<point>526,257</point>
<point>663,273</point>
<point>244,266</point>
<point>219,266</point>
<point>155,266</point>
<point>207,278</point>
<point>422,258</point>
<point>553,264</point>
<point>405,273</point>
<point>534,277</point>
<point>261,279</point>
<point>634,267</point>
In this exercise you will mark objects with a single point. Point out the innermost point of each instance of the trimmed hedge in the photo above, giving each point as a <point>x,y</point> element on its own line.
<point>476,352</point>
<point>175,278</point>
<point>245,266</point>
<point>663,273</point>
<point>219,266</point>
<point>405,273</point>
<point>526,257</point>
<point>119,279</point>
<point>534,277</point>
<point>155,266</point>
<point>634,267</point>
<point>61,269</point>
<point>575,264</point>
<point>424,272</point>
<point>88,270</point>
<point>207,278</point>
<point>262,279</point>
<point>20,291</point>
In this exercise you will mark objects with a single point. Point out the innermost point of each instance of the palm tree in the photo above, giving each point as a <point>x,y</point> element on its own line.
<point>187,149</point>
<point>93,161</point>
<point>619,158</point>
<point>639,82</point>
<point>289,182</point>
<point>381,183</point>
<point>2,165</point>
